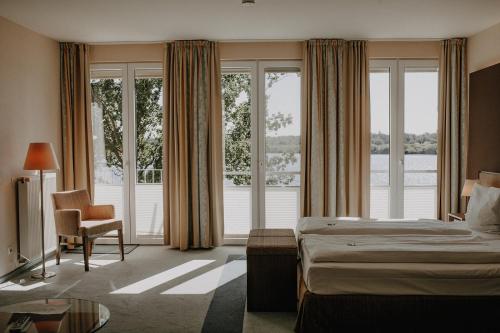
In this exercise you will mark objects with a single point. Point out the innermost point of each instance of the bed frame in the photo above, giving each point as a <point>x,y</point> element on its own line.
<point>401,313</point>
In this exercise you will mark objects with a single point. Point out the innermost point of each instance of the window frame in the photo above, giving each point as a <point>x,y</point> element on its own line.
<point>397,69</point>
<point>127,71</point>
<point>257,70</point>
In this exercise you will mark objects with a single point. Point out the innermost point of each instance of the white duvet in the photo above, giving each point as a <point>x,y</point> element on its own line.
<point>401,249</point>
<point>360,226</point>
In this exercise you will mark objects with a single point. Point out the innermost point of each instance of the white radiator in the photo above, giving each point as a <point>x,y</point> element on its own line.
<point>30,241</point>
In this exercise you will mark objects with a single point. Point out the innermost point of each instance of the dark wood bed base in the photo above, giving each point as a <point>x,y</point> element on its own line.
<point>401,313</point>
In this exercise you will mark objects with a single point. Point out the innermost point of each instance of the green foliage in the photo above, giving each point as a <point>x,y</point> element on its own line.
<point>107,93</point>
<point>149,119</point>
<point>236,96</point>
<point>414,143</point>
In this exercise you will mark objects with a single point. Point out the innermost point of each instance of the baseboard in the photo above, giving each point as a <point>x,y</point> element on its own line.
<point>25,267</point>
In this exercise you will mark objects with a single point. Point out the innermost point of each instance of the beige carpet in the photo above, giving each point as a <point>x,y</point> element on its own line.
<point>137,304</point>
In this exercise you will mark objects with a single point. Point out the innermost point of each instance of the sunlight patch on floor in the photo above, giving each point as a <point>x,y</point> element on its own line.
<point>95,263</point>
<point>210,280</point>
<point>11,286</point>
<point>163,277</point>
<point>50,263</point>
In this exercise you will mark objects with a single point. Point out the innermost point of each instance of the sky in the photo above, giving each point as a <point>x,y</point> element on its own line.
<point>420,97</point>
<point>284,97</point>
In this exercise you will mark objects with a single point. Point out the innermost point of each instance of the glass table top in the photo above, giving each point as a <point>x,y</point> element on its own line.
<point>54,315</point>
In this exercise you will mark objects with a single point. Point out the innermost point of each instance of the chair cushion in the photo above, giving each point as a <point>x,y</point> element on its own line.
<point>97,227</point>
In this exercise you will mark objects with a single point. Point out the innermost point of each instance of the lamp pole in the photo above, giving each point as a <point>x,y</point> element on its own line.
<point>40,157</point>
<point>43,274</point>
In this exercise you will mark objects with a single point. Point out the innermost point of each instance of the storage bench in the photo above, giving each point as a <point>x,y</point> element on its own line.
<point>272,270</point>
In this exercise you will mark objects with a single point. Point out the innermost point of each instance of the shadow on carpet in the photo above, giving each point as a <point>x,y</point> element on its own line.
<point>227,309</point>
<point>105,249</point>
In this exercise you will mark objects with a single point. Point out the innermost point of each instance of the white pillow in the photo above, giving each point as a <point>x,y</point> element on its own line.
<point>483,211</point>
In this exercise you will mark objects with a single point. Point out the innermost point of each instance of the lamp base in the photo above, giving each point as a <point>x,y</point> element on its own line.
<point>42,276</point>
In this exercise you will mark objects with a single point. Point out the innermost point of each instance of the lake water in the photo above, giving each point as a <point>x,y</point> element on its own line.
<point>420,170</point>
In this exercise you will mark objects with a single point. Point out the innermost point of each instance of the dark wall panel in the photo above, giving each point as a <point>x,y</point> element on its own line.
<point>484,121</point>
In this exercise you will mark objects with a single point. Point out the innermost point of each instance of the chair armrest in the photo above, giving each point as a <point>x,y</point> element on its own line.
<point>67,221</point>
<point>100,212</point>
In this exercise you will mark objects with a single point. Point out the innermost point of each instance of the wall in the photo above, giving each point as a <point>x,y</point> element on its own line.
<point>261,50</point>
<point>153,52</point>
<point>484,49</point>
<point>484,122</point>
<point>484,101</point>
<point>404,50</point>
<point>29,111</point>
<point>121,53</point>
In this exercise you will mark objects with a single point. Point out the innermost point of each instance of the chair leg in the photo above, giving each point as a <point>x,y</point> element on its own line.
<point>120,240</point>
<point>91,247</point>
<point>86,252</point>
<point>58,250</point>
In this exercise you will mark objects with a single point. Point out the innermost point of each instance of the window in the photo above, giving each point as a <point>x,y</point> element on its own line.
<point>282,147</point>
<point>127,104</point>
<point>238,103</point>
<point>404,112</point>
<point>261,103</point>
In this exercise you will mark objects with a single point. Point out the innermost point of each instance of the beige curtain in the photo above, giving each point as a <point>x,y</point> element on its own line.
<point>78,159</point>
<point>452,126</point>
<point>193,201</point>
<point>336,129</point>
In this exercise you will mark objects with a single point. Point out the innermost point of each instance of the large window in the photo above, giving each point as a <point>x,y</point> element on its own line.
<point>404,112</point>
<point>261,102</point>
<point>127,115</point>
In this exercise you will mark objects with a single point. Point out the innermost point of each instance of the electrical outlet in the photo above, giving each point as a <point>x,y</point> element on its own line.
<point>10,250</point>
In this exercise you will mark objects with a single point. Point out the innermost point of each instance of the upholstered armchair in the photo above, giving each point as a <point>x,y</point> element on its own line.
<point>75,216</point>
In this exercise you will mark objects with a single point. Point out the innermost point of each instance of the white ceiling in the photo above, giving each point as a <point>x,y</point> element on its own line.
<point>158,20</point>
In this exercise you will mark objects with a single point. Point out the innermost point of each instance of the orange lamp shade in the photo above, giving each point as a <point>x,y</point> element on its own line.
<point>41,156</point>
<point>469,184</point>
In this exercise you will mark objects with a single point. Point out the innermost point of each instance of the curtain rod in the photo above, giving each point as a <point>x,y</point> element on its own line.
<point>278,40</point>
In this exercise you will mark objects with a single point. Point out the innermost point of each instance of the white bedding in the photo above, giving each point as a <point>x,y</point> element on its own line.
<point>402,249</point>
<point>359,226</point>
<point>423,257</point>
<point>401,278</point>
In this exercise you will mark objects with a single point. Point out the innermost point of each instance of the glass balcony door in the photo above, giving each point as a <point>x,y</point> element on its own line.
<point>420,80</point>
<point>261,112</point>
<point>146,150</point>
<point>403,102</point>
<point>239,102</point>
<point>127,113</point>
<point>280,134</point>
<point>109,129</point>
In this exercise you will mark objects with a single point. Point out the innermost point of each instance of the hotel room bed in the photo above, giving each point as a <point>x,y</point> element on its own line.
<point>410,276</point>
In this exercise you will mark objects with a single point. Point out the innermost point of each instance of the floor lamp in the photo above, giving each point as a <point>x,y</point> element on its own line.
<point>41,157</point>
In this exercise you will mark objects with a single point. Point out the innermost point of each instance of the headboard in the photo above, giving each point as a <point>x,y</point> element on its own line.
<point>491,179</point>
<point>484,117</point>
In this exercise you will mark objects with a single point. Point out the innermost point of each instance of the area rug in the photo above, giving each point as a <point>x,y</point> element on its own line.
<point>105,249</point>
<point>227,309</point>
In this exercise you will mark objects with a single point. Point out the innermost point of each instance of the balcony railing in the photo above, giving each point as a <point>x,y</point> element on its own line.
<point>149,176</point>
<point>282,203</point>
<point>420,195</point>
